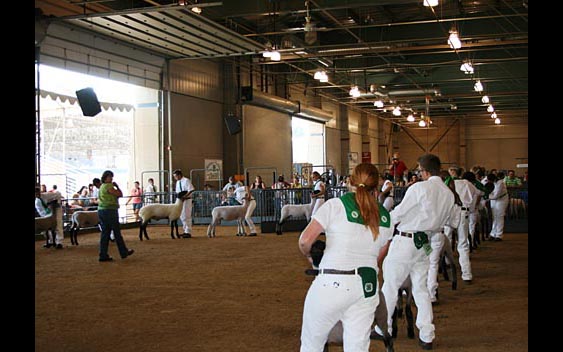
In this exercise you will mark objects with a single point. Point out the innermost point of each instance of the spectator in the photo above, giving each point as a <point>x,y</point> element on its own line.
<point>135,197</point>
<point>233,184</point>
<point>385,197</point>
<point>43,188</point>
<point>511,180</point>
<point>318,191</point>
<point>397,167</point>
<point>150,191</point>
<point>258,183</point>
<point>109,217</point>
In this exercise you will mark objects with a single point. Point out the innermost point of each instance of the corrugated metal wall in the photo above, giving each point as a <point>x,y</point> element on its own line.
<point>73,49</point>
<point>197,78</point>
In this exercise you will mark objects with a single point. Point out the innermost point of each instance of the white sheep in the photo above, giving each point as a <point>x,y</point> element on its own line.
<point>230,212</point>
<point>162,211</point>
<point>81,219</point>
<point>295,211</point>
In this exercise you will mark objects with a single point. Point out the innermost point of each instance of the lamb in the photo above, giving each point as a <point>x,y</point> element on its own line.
<point>162,211</point>
<point>295,211</point>
<point>230,212</point>
<point>49,223</point>
<point>81,219</point>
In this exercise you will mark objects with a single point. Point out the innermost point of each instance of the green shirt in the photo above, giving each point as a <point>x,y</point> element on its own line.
<point>107,200</point>
<point>512,182</point>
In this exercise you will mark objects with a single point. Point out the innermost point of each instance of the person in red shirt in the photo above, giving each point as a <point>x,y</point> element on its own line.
<point>397,167</point>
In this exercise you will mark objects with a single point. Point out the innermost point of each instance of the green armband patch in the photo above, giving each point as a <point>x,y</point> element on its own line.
<point>369,280</point>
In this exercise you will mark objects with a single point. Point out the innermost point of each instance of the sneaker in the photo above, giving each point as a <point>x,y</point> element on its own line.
<point>253,234</point>
<point>106,259</point>
<point>425,345</point>
<point>374,335</point>
<point>498,239</point>
<point>48,245</point>
<point>187,235</point>
<point>59,246</point>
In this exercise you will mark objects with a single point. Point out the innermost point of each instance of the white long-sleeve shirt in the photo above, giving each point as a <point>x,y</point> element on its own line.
<point>500,192</point>
<point>468,193</point>
<point>427,206</point>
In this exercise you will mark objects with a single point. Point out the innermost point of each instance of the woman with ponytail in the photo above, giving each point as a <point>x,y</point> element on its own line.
<point>357,231</point>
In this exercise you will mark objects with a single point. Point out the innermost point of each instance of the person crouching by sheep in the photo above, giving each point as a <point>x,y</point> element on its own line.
<point>240,194</point>
<point>184,184</point>
<point>108,206</point>
<point>358,231</point>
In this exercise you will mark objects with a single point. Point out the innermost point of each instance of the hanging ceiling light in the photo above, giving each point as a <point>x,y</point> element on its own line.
<point>490,108</point>
<point>324,77</point>
<point>453,40</point>
<point>378,104</point>
<point>276,56</point>
<point>355,92</point>
<point>478,86</point>
<point>430,3</point>
<point>485,99</point>
<point>422,123</point>
<point>397,111</point>
<point>410,118</point>
<point>497,121</point>
<point>467,67</point>
<point>494,115</point>
<point>318,74</point>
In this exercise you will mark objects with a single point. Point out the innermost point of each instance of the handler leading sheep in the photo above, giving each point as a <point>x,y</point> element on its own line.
<point>346,289</point>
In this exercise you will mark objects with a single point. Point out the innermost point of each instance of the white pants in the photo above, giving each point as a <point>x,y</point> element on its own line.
<point>318,203</point>
<point>248,216</point>
<point>498,208</point>
<point>462,244</point>
<point>186,216</point>
<point>332,298</point>
<point>437,242</point>
<point>473,220</point>
<point>403,259</point>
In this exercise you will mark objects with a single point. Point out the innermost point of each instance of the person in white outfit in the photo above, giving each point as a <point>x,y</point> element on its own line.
<point>318,192</point>
<point>184,184</point>
<point>241,194</point>
<point>425,209</point>
<point>386,195</point>
<point>357,233</point>
<point>499,203</point>
<point>468,195</point>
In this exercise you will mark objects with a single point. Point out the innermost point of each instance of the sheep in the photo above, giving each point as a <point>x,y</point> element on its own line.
<point>162,211</point>
<point>81,219</point>
<point>230,212</point>
<point>294,210</point>
<point>49,223</point>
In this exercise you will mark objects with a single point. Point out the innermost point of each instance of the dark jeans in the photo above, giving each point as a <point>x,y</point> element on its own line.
<point>109,219</point>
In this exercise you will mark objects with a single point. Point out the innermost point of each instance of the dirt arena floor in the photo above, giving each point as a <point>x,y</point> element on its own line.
<point>244,294</point>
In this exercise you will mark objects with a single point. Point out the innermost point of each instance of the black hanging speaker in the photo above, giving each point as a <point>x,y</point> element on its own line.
<point>88,102</point>
<point>233,125</point>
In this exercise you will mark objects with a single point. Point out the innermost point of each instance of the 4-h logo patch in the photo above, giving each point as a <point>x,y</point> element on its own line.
<point>354,214</point>
<point>384,218</point>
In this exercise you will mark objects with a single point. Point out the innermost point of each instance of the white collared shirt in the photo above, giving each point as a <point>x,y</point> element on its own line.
<point>499,191</point>
<point>426,206</point>
<point>184,184</point>
<point>468,193</point>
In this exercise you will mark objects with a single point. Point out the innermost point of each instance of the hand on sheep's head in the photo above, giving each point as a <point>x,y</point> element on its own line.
<point>182,195</point>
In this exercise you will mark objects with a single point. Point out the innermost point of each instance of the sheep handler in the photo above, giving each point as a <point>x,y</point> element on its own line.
<point>241,193</point>
<point>184,184</point>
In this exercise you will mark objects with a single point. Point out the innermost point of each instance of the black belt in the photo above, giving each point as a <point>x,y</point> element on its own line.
<point>406,234</point>
<point>337,272</point>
